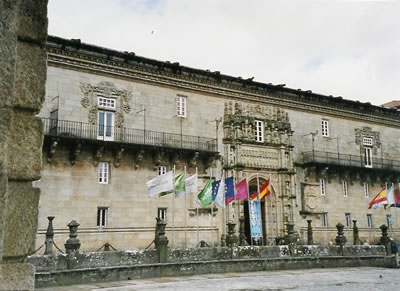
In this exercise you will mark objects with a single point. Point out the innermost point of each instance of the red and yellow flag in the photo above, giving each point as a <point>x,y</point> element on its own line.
<point>265,190</point>
<point>379,199</point>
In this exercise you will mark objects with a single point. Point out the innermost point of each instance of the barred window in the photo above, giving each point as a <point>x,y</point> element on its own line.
<point>345,193</point>
<point>162,213</point>
<point>162,170</point>
<point>369,220</point>
<point>348,219</point>
<point>106,102</point>
<point>325,128</point>
<point>102,216</point>
<point>325,219</point>
<point>181,106</point>
<point>322,186</point>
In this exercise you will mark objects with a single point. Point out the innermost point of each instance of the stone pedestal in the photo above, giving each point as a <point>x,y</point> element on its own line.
<point>340,238</point>
<point>161,241</point>
<point>73,244</point>
<point>231,238</point>
<point>242,233</point>
<point>356,237</point>
<point>310,240</point>
<point>49,237</point>
<point>385,240</point>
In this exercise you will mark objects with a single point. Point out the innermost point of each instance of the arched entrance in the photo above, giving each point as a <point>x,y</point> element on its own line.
<point>269,214</point>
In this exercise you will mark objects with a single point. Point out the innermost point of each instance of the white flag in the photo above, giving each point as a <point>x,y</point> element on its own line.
<point>390,196</point>
<point>220,197</point>
<point>161,183</point>
<point>191,184</point>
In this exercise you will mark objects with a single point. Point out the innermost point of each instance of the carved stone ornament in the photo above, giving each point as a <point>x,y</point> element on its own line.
<point>106,90</point>
<point>366,131</point>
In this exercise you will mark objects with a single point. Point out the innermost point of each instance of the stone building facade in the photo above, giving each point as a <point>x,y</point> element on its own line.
<point>114,120</point>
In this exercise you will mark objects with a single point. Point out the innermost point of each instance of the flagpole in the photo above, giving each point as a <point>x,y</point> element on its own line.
<point>248,206</point>
<point>266,213</point>
<point>258,191</point>
<point>173,213</point>
<point>184,177</point>
<point>272,213</point>
<point>198,224</point>
<point>212,217</point>
<point>223,209</point>
<point>395,212</point>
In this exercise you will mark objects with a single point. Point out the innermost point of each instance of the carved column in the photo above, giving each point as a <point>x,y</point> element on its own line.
<point>161,241</point>
<point>310,240</point>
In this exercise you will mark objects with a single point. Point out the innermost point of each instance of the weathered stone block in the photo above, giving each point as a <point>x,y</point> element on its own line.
<point>17,277</point>
<point>7,50</point>
<point>30,77</point>
<point>21,221</point>
<point>32,20</point>
<point>25,142</point>
<point>3,204</point>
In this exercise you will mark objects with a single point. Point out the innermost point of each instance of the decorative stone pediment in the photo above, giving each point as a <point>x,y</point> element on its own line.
<point>258,157</point>
<point>239,120</point>
<point>106,90</point>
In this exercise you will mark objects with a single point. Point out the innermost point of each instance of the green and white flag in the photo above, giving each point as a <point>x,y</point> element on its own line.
<point>160,184</point>
<point>205,196</point>
<point>179,186</point>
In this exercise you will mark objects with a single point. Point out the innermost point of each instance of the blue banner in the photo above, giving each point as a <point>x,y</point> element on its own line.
<point>255,219</point>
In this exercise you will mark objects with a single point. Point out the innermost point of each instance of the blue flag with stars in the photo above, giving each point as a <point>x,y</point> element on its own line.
<point>229,189</point>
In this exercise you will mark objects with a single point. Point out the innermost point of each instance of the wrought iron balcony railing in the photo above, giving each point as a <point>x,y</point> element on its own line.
<point>328,158</point>
<point>82,130</point>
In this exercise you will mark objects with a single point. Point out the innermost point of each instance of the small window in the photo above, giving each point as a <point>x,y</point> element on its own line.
<point>345,193</point>
<point>103,173</point>
<point>322,186</point>
<point>325,128</point>
<point>366,190</point>
<point>324,219</point>
<point>389,220</point>
<point>259,130</point>
<point>348,219</point>
<point>162,170</point>
<point>162,213</point>
<point>367,141</point>
<point>102,216</point>
<point>181,106</point>
<point>369,220</point>
<point>106,102</point>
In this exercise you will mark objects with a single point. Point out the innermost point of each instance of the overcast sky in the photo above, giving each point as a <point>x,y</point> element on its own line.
<point>348,48</point>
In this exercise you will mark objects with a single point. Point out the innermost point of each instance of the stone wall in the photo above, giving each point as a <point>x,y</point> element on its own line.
<point>23,33</point>
<point>112,266</point>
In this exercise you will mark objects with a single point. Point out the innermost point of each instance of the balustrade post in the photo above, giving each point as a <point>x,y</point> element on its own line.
<point>49,237</point>
<point>385,240</point>
<point>72,245</point>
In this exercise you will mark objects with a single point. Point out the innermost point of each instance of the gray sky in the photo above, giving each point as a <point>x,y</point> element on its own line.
<point>348,48</point>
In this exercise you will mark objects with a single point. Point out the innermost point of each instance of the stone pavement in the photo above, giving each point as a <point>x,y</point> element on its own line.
<point>311,279</point>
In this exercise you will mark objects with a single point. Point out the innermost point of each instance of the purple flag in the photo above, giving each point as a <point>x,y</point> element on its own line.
<point>241,190</point>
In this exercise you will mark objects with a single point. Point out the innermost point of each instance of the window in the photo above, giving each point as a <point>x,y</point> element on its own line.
<point>162,213</point>
<point>348,219</point>
<point>102,216</point>
<point>105,121</point>
<point>162,170</point>
<point>369,220</point>
<point>345,193</point>
<point>367,141</point>
<point>181,106</point>
<point>106,103</point>
<point>389,220</point>
<point>322,186</point>
<point>259,130</point>
<point>368,157</point>
<point>325,128</point>
<point>366,190</point>
<point>103,172</point>
<point>324,219</point>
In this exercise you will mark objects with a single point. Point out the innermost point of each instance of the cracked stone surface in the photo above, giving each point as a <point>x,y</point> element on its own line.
<point>312,279</point>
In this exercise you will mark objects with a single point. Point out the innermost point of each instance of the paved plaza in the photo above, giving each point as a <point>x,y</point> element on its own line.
<point>311,279</point>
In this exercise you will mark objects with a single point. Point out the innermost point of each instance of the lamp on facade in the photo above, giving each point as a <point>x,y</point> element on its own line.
<point>337,146</point>
<point>180,122</point>
<point>144,117</point>
<point>313,135</point>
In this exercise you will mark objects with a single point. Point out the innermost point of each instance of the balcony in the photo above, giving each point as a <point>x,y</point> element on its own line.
<point>345,160</point>
<point>127,136</point>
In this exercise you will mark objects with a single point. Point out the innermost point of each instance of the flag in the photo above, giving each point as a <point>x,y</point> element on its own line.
<point>179,186</point>
<point>265,190</point>
<point>220,196</point>
<point>241,190</point>
<point>393,198</point>
<point>379,199</point>
<point>229,190</point>
<point>205,196</point>
<point>160,184</point>
<point>191,184</point>
<point>390,197</point>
